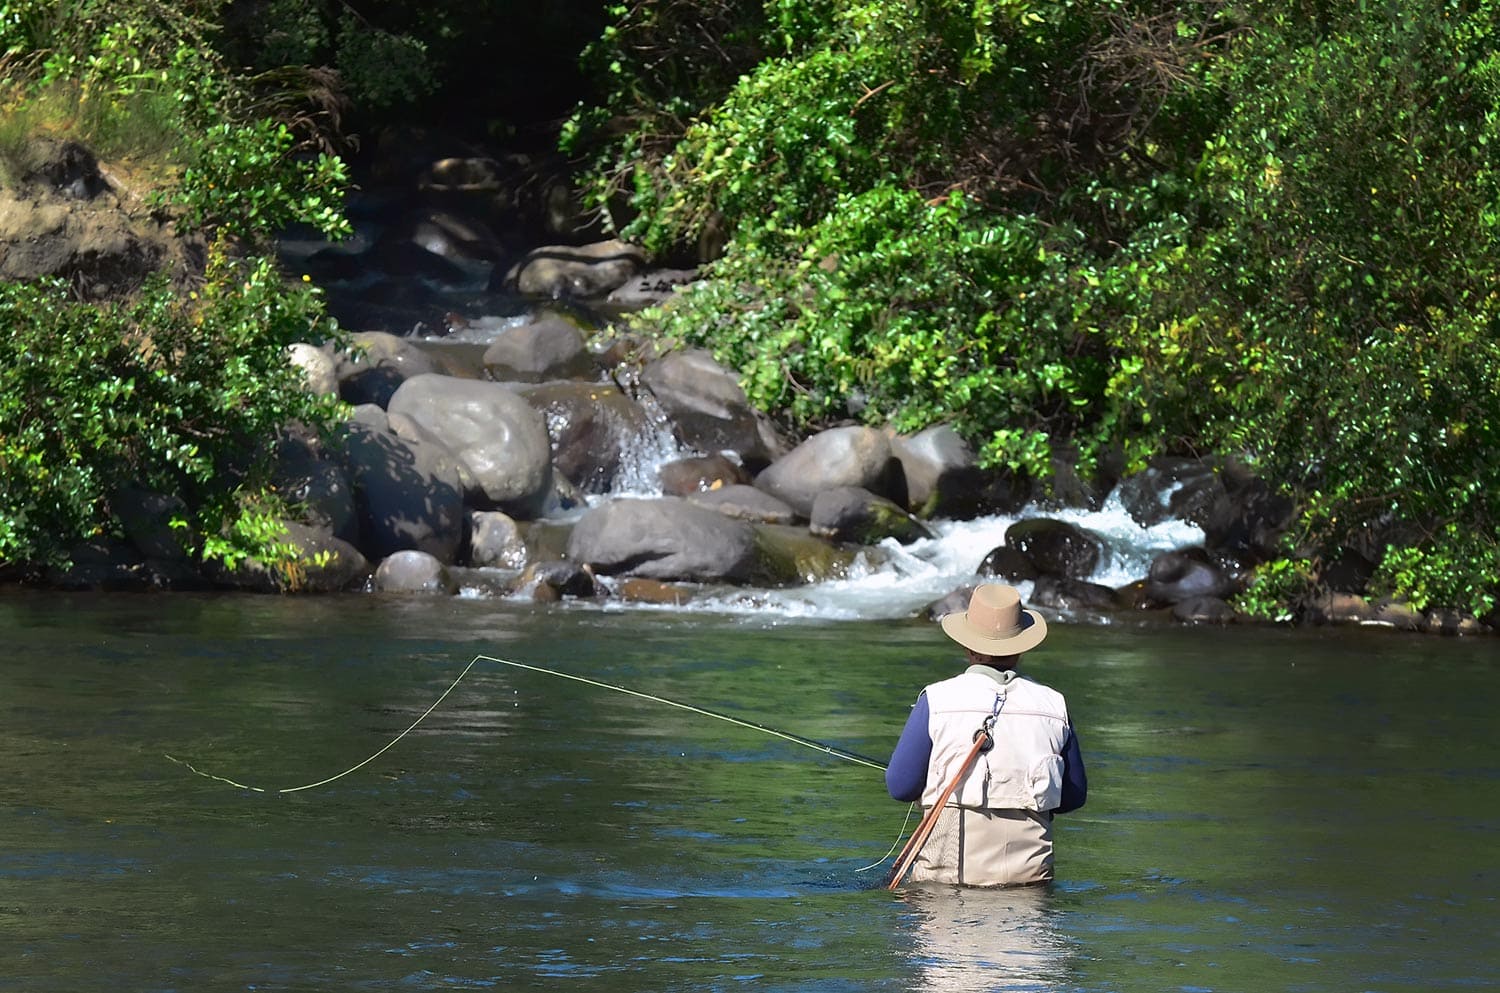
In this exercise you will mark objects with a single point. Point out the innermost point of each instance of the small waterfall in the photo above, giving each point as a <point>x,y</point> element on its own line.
<point>648,451</point>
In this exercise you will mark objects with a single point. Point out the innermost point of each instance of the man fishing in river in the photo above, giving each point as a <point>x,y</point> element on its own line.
<point>991,755</point>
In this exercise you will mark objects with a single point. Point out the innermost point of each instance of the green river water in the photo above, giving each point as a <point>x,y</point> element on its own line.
<point>1269,810</point>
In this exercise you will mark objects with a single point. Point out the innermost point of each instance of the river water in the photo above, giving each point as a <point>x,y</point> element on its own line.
<point>1269,809</point>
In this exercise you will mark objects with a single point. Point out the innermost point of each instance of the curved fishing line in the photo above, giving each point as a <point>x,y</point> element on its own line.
<point>796,739</point>
<point>353,768</point>
<point>820,746</point>
<point>895,844</point>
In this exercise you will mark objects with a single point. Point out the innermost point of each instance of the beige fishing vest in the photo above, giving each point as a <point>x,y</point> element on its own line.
<point>1024,770</point>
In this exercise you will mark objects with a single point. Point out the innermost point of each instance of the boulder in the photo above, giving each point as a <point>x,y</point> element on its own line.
<point>1185,574</point>
<point>1203,610</point>
<point>1171,489</point>
<point>855,515</point>
<point>407,495</point>
<point>1057,548</point>
<point>1073,595</point>
<point>700,473</point>
<point>1247,522</point>
<point>376,366</point>
<point>319,368</point>
<point>495,541</point>
<point>667,539</point>
<point>790,556</point>
<point>498,438</point>
<point>550,581</point>
<point>322,564</point>
<point>147,519</point>
<point>944,481</point>
<point>709,409</point>
<point>542,350</point>
<point>600,437</point>
<point>1009,564</point>
<point>747,503</point>
<point>578,271</point>
<point>413,572</point>
<point>320,492</point>
<point>846,456</point>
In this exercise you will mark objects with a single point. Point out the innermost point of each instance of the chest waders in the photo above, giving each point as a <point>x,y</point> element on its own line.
<point>984,740</point>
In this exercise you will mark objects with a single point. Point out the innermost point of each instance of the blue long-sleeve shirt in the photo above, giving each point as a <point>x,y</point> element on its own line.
<point>906,776</point>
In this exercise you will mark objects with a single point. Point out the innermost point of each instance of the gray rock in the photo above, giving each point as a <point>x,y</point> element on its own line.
<point>1073,595</point>
<point>847,456</point>
<point>413,572</point>
<point>407,495</point>
<point>709,409</point>
<point>320,492</point>
<point>319,368</point>
<point>700,473</point>
<point>322,564</point>
<point>1203,610</point>
<point>1184,574</point>
<point>746,503</point>
<point>499,439</point>
<point>581,271</point>
<point>147,519</point>
<point>495,540</point>
<point>668,539</point>
<point>1009,564</point>
<point>853,514</point>
<point>1170,489</point>
<point>543,350</point>
<point>377,366</point>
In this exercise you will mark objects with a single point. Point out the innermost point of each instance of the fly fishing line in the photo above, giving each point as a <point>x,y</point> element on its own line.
<point>797,739</point>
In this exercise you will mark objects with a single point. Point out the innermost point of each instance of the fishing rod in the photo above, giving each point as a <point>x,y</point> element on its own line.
<point>824,747</point>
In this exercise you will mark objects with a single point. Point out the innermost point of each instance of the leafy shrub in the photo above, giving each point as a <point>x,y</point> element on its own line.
<point>178,395</point>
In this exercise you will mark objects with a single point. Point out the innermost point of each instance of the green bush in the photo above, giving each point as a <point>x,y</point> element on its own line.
<point>175,394</point>
<point>1265,232</point>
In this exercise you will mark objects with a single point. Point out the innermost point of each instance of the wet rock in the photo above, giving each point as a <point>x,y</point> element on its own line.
<point>538,351</point>
<point>1057,548</point>
<point>640,590</point>
<point>495,541</point>
<point>1171,489</point>
<point>1203,610</point>
<point>846,456</point>
<point>1073,595</point>
<point>597,433</point>
<point>413,572</point>
<point>1009,564</point>
<point>667,539</point>
<point>500,440</point>
<point>709,410</point>
<point>1185,574</point>
<point>700,473</point>
<point>746,503</point>
<point>550,581</point>
<point>788,556</point>
<point>853,514</point>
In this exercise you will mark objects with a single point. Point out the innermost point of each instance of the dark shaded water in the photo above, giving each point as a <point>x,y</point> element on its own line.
<point>1270,810</point>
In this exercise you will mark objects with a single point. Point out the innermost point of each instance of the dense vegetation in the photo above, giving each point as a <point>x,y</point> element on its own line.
<point>1074,229</point>
<point>179,387</point>
<point>1083,226</point>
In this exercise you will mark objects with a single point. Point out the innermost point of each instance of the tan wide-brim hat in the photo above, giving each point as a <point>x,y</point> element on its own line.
<point>995,623</point>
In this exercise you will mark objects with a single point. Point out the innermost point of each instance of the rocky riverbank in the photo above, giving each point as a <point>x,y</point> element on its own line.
<point>506,439</point>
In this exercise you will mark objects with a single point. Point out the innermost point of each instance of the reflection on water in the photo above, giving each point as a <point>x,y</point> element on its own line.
<point>973,940</point>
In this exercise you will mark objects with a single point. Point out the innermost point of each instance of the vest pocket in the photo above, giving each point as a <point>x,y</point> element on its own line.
<point>1046,782</point>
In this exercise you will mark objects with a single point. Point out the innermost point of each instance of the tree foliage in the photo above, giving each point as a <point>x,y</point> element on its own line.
<point>1266,232</point>
<point>171,390</point>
